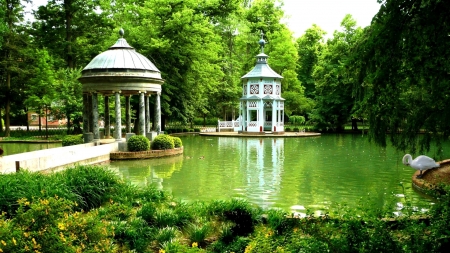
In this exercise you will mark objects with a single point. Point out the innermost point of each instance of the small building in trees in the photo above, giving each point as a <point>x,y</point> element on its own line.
<point>261,107</point>
<point>120,71</point>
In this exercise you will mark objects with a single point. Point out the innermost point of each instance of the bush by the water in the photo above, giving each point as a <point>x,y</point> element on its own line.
<point>70,140</point>
<point>163,141</point>
<point>138,143</point>
<point>177,142</point>
<point>90,209</point>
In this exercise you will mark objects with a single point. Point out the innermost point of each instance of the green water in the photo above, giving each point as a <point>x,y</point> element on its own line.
<point>316,173</point>
<point>17,148</point>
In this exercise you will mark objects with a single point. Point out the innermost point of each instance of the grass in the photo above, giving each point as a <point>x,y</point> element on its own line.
<point>90,209</point>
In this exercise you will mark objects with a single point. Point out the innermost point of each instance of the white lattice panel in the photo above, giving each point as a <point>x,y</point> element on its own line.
<point>268,89</point>
<point>253,124</point>
<point>254,89</point>
<point>278,90</point>
<point>268,104</point>
<point>281,104</point>
<point>252,104</point>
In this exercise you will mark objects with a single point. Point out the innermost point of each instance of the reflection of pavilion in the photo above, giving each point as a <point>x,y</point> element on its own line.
<point>263,172</point>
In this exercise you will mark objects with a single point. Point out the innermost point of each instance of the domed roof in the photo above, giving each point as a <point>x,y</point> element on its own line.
<point>121,56</point>
<point>121,68</point>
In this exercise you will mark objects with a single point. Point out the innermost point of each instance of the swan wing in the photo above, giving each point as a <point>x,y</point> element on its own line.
<point>423,163</point>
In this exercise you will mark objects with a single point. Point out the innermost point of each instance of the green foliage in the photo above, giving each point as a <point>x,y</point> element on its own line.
<point>297,120</point>
<point>197,233</point>
<point>287,129</point>
<point>403,74</point>
<point>163,141</point>
<point>42,212</point>
<point>177,142</point>
<point>334,101</point>
<point>70,140</point>
<point>138,143</point>
<point>239,212</point>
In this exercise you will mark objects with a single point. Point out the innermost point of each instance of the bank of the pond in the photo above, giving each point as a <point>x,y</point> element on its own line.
<point>122,155</point>
<point>89,208</point>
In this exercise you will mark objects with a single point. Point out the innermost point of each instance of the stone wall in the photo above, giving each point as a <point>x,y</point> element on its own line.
<point>58,158</point>
<point>145,154</point>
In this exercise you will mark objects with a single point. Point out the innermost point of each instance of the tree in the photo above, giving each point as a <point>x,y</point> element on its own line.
<point>69,98</point>
<point>12,54</point>
<point>72,30</point>
<point>403,73</point>
<point>41,89</point>
<point>310,46</point>
<point>333,81</point>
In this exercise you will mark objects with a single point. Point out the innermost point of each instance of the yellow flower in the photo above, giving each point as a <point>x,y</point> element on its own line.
<point>1,250</point>
<point>61,226</point>
<point>26,234</point>
<point>162,251</point>
<point>4,243</point>
<point>62,236</point>
<point>194,245</point>
<point>34,241</point>
<point>14,241</point>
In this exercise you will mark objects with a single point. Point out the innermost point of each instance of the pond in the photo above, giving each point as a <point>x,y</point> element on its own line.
<point>318,174</point>
<point>10,148</point>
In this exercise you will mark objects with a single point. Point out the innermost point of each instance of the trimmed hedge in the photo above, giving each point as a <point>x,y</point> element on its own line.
<point>177,142</point>
<point>163,141</point>
<point>138,143</point>
<point>70,140</point>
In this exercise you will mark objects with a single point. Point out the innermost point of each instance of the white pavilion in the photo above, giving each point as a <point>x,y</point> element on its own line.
<point>262,107</point>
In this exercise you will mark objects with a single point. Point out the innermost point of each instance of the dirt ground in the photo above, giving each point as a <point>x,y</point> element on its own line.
<point>434,176</point>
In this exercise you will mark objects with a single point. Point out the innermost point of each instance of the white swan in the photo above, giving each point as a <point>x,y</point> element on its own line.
<point>421,163</point>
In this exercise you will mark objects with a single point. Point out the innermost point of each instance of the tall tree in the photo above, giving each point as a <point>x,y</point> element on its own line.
<point>12,54</point>
<point>41,88</point>
<point>69,98</point>
<point>72,30</point>
<point>404,73</point>
<point>310,46</point>
<point>333,81</point>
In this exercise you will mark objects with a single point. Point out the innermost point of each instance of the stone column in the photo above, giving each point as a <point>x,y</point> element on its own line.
<point>128,114</point>
<point>107,122</point>
<point>158,113</point>
<point>118,128</point>
<point>142,113</point>
<point>274,116</point>
<point>95,116</point>
<point>91,115</point>
<point>85,113</point>
<point>147,113</point>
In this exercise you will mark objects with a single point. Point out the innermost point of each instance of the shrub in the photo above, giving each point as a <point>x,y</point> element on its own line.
<point>138,143</point>
<point>296,129</point>
<point>163,141</point>
<point>288,129</point>
<point>197,130</point>
<point>70,140</point>
<point>177,142</point>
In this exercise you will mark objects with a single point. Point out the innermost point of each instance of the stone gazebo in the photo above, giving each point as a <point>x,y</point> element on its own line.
<point>262,107</point>
<point>120,71</point>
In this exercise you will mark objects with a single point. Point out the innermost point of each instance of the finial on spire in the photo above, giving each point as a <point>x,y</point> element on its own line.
<point>121,32</point>
<point>262,42</point>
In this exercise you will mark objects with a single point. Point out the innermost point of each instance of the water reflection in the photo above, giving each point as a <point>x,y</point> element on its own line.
<point>295,174</point>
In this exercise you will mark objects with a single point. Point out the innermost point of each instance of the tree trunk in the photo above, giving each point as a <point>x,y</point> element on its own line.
<point>8,105</point>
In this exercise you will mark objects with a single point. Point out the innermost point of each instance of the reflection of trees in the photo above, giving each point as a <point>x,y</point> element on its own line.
<point>144,172</point>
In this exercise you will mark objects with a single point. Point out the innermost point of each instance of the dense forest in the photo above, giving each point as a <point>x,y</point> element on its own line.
<point>394,74</point>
